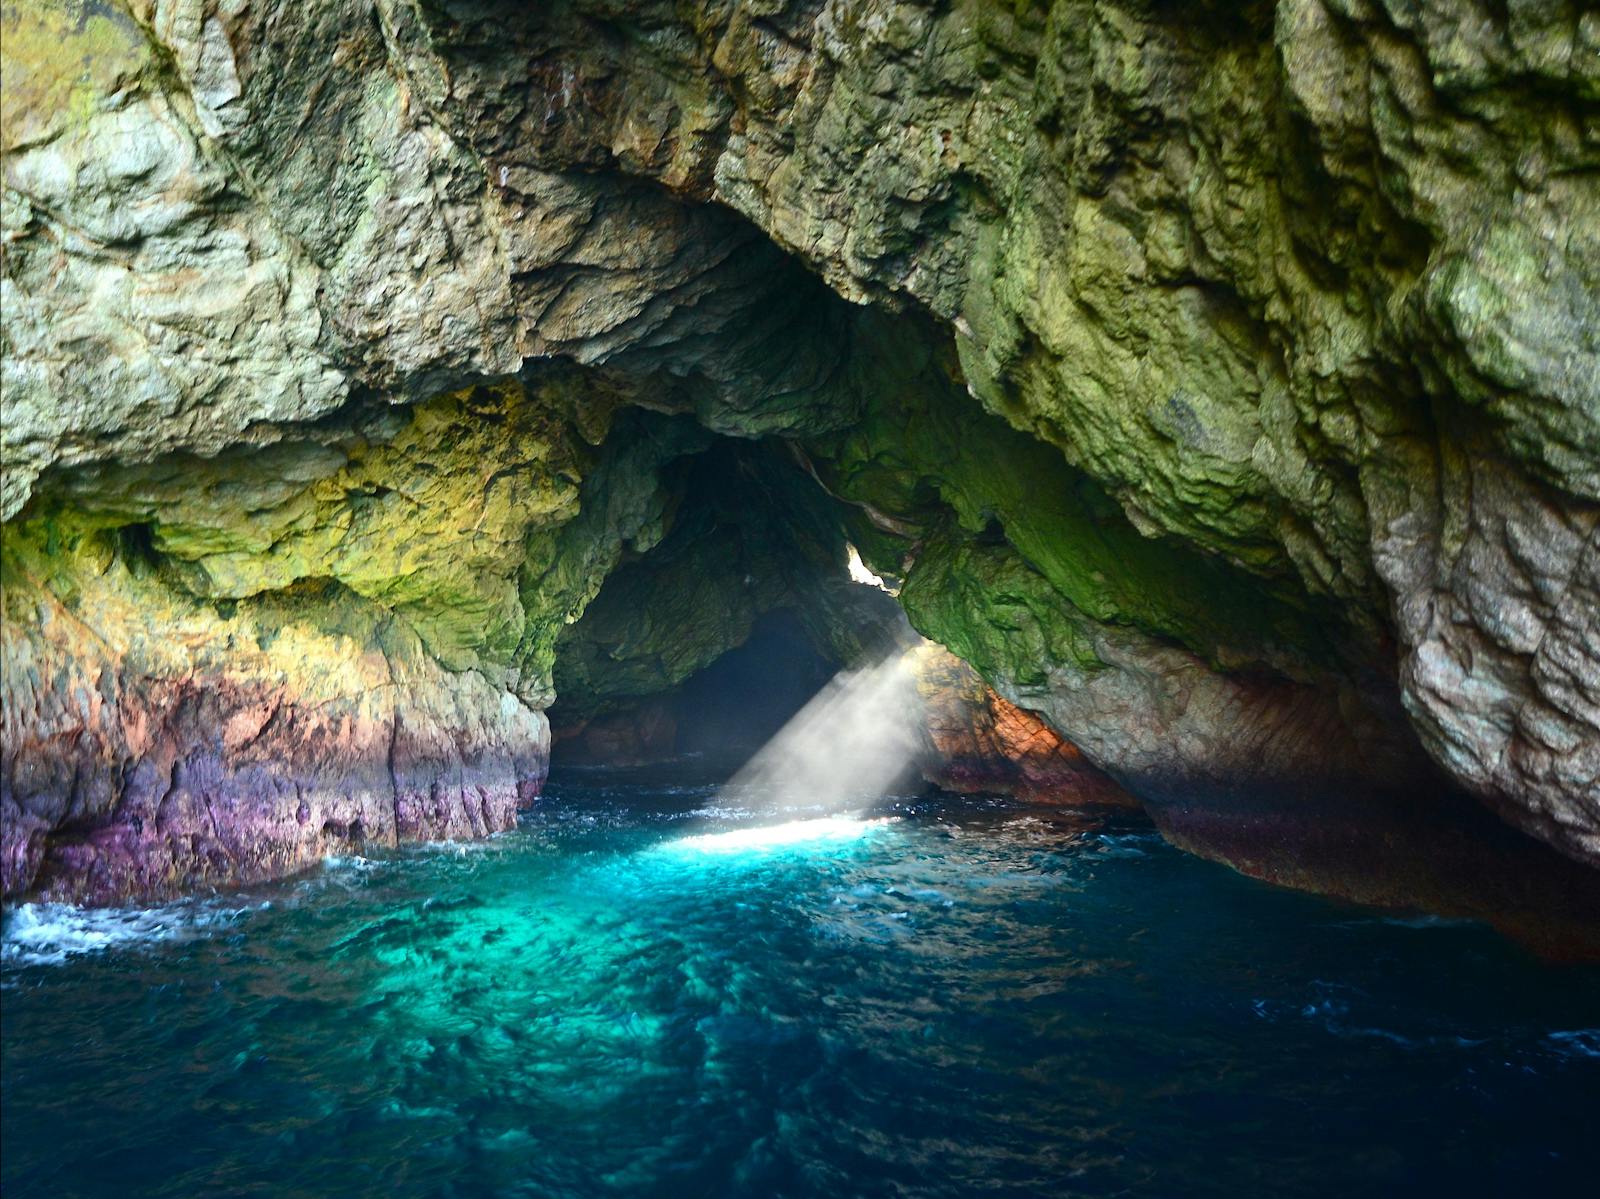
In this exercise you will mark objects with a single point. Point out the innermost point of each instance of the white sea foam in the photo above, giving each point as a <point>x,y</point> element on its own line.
<point>1123,845</point>
<point>46,934</point>
<point>1427,921</point>
<point>351,861</point>
<point>451,848</point>
<point>716,812</point>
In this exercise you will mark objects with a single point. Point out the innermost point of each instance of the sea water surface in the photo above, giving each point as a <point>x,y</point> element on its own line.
<point>650,990</point>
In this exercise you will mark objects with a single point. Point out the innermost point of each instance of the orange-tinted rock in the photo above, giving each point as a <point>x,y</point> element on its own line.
<point>982,742</point>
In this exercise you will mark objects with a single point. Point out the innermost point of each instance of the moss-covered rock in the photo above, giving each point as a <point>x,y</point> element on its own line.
<point>425,511</point>
<point>220,670</point>
<point>1291,282</point>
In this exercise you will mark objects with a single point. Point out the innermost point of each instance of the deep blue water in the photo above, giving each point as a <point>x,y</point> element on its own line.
<point>965,998</point>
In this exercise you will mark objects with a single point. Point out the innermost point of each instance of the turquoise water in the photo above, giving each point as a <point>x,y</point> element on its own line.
<point>948,998</point>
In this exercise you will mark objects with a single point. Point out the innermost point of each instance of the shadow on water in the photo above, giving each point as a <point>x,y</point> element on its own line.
<point>932,996</point>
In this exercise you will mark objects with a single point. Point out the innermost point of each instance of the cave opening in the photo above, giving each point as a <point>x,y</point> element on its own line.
<point>737,703</point>
<point>722,713</point>
<point>707,640</point>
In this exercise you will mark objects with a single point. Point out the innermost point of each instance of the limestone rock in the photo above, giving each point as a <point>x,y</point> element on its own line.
<point>155,747</point>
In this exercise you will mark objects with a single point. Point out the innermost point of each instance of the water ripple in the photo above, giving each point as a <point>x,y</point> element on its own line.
<point>956,999</point>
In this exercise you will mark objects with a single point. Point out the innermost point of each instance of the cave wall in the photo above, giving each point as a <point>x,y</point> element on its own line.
<point>978,741</point>
<point>1219,380</point>
<point>1311,286</point>
<point>221,669</point>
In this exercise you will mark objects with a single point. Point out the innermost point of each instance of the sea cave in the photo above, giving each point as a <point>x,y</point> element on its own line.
<point>812,598</point>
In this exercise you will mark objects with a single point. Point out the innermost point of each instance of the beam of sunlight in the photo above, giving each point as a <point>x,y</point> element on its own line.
<point>847,747</point>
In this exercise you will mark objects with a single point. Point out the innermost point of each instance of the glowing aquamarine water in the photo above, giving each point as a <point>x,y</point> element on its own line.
<point>646,991</point>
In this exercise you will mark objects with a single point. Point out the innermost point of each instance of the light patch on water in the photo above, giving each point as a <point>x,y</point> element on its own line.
<point>47,934</point>
<point>779,836</point>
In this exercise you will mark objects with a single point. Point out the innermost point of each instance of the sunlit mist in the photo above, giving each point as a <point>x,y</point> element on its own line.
<point>848,746</point>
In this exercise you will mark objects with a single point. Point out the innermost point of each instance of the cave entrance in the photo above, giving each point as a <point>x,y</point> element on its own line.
<point>708,639</point>
<point>721,714</point>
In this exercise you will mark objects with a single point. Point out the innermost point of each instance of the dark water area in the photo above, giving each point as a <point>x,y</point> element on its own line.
<point>639,993</point>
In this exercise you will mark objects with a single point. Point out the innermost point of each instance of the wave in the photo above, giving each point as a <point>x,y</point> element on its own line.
<point>1577,1042</point>
<point>47,934</point>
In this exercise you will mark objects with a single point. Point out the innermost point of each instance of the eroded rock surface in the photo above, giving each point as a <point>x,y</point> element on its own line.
<point>1221,381</point>
<point>154,747</point>
<point>980,741</point>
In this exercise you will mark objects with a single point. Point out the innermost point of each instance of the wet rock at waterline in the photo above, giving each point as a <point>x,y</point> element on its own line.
<point>1218,384</point>
<point>155,748</point>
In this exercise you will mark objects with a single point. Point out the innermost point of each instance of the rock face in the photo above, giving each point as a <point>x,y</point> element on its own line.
<point>154,749</point>
<point>1221,381</point>
<point>644,734</point>
<point>979,741</point>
